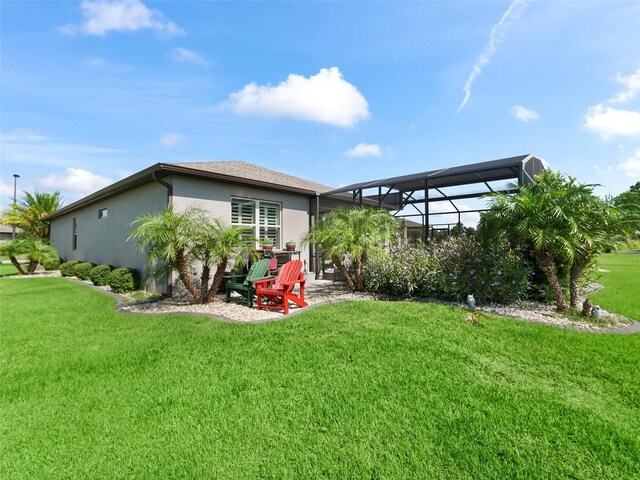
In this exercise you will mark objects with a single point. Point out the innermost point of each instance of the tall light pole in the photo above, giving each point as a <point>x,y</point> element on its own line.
<point>15,181</point>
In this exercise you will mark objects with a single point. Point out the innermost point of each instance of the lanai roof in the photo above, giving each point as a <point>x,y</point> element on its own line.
<point>424,188</point>
<point>525,166</point>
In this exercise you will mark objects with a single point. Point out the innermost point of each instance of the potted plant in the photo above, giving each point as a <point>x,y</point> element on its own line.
<point>291,246</point>
<point>267,244</point>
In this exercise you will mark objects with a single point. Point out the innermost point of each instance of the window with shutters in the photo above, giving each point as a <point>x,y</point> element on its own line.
<point>270,222</point>
<point>260,219</point>
<point>243,214</point>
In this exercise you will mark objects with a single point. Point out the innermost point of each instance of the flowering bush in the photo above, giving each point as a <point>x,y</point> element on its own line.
<point>451,270</point>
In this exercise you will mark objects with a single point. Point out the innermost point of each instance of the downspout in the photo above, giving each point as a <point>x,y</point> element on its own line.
<point>316,252</point>
<point>169,187</point>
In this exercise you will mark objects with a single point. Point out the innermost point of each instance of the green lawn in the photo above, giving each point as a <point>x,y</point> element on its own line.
<point>352,390</point>
<point>7,269</point>
<point>621,292</point>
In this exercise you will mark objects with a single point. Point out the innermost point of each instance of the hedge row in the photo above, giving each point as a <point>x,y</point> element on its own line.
<point>454,268</point>
<point>121,280</point>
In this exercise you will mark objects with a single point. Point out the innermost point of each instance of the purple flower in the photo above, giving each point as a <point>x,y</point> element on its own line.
<point>513,282</point>
<point>481,282</point>
<point>499,272</point>
<point>477,260</point>
<point>472,272</point>
<point>529,288</point>
<point>495,284</point>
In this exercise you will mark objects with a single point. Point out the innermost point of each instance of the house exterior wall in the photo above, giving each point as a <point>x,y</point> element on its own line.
<point>104,240</point>
<point>215,197</point>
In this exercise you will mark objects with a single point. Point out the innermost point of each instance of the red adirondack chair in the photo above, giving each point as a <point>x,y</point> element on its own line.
<point>276,293</point>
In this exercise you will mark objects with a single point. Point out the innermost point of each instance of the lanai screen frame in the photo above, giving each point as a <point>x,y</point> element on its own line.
<point>396,193</point>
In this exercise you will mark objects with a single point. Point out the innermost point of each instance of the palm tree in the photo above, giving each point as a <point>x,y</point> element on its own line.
<point>538,215</point>
<point>628,208</point>
<point>353,233</point>
<point>168,238</point>
<point>33,248</point>
<point>12,251</point>
<point>219,244</point>
<point>600,226</point>
<point>178,240</point>
<point>29,213</point>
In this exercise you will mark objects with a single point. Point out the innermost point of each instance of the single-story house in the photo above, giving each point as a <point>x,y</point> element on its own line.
<point>269,203</point>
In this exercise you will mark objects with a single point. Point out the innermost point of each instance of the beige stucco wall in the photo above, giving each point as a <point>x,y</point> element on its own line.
<point>215,197</point>
<point>104,240</point>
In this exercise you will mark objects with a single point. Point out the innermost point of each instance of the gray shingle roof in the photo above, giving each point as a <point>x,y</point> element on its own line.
<point>244,170</point>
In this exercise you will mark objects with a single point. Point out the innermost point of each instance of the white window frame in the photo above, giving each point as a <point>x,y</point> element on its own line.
<point>258,227</point>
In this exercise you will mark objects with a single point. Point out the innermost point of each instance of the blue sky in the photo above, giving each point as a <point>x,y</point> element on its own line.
<point>334,92</point>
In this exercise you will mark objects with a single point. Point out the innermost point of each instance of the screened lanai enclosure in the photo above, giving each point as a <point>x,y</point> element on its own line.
<point>440,199</point>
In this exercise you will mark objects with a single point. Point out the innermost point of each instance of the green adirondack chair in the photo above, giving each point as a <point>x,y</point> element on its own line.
<point>247,289</point>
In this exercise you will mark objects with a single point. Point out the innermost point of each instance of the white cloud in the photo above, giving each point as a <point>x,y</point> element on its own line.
<point>171,139</point>
<point>631,166</point>
<point>611,122</point>
<point>632,82</point>
<point>325,97</point>
<point>182,55</point>
<point>524,114</point>
<point>76,180</point>
<point>103,16</point>
<point>498,33</point>
<point>364,150</point>
<point>6,190</point>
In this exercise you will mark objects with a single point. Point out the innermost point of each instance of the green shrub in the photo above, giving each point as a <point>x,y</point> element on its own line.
<point>100,275</point>
<point>67,268</point>
<point>452,269</point>
<point>124,280</point>
<point>83,270</point>
<point>51,264</point>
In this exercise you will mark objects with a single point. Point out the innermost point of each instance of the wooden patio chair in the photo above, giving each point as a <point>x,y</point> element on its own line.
<point>276,293</point>
<point>247,288</point>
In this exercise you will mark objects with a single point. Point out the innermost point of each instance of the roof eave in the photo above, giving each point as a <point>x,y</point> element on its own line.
<point>194,172</point>
<point>137,179</point>
<point>163,169</point>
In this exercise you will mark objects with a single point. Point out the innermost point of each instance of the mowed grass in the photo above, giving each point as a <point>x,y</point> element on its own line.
<point>351,390</point>
<point>7,269</point>
<point>621,281</point>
